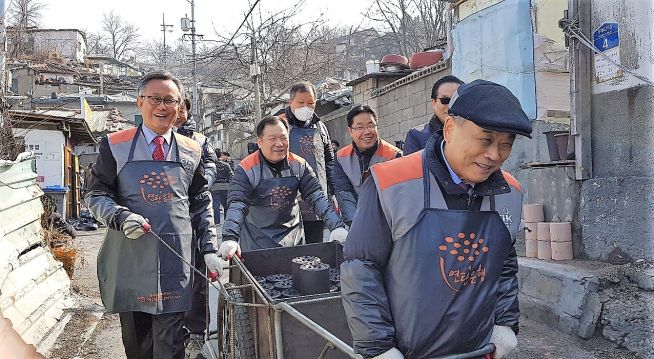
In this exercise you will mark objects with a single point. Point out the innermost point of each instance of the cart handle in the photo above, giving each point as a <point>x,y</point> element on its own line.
<point>339,344</point>
<point>487,349</point>
<point>342,346</point>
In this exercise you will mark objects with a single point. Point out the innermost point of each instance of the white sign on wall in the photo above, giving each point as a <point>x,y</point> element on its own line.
<point>48,147</point>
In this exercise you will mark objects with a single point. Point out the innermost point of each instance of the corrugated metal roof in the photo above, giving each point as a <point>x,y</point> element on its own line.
<point>34,288</point>
<point>79,128</point>
<point>105,121</point>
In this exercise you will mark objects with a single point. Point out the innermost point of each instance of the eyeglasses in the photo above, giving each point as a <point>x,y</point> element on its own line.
<point>156,101</point>
<point>444,100</point>
<point>370,127</point>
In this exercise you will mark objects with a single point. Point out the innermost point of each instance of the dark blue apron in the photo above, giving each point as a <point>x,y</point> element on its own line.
<point>302,143</point>
<point>143,275</point>
<point>274,218</point>
<point>442,278</point>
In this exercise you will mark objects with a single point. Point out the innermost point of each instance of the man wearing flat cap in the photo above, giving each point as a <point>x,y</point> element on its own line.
<point>430,267</point>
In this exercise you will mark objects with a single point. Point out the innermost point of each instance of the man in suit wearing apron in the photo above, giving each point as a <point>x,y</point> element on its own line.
<point>430,265</point>
<point>151,179</point>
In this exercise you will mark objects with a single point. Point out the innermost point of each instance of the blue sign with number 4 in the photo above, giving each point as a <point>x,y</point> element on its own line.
<point>606,36</point>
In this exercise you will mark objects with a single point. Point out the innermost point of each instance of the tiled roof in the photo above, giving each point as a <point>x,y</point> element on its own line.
<point>53,68</point>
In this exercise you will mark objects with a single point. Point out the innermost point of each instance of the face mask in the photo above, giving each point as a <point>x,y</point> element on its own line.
<point>303,114</point>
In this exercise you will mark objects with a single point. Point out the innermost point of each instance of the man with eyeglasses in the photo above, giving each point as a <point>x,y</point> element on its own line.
<point>148,180</point>
<point>354,160</point>
<point>441,93</point>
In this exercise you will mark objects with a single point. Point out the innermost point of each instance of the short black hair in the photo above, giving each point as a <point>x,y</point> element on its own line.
<point>357,110</point>
<point>252,147</point>
<point>302,86</point>
<point>187,103</point>
<point>158,75</point>
<point>269,120</point>
<point>336,143</point>
<point>218,152</point>
<point>227,154</point>
<point>444,80</point>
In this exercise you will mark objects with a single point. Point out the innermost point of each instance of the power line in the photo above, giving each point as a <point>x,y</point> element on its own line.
<point>214,57</point>
<point>570,28</point>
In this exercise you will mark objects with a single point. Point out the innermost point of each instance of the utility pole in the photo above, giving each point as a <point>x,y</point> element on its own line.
<point>101,91</point>
<point>3,54</point>
<point>195,68</point>
<point>255,72</point>
<point>189,25</point>
<point>580,90</point>
<point>164,28</point>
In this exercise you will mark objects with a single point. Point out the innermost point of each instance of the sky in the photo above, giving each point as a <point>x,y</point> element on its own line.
<point>212,16</point>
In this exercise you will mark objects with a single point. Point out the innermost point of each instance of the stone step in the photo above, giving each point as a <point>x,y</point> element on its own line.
<point>564,296</point>
<point>587,299</point>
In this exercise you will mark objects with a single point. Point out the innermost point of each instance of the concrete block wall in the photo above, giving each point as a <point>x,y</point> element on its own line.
<point>405,103</point>
<point>617,203</point>
<point>336,123</point>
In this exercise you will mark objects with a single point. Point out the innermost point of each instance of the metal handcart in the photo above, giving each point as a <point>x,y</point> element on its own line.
<point>252,325</point>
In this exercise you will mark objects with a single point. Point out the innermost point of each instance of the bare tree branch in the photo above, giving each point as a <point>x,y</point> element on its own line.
<point>22,15</point>
<point>96,43</point>
<point>122,36</point>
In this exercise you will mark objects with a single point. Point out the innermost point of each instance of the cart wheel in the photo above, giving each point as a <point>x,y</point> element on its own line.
<point>244,341</point>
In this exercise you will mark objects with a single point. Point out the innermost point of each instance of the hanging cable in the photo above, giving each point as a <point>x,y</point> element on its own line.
<point>571,30</point>
<point>214,57</point>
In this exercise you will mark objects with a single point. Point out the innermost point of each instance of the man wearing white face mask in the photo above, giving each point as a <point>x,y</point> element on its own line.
<point>309,138</point>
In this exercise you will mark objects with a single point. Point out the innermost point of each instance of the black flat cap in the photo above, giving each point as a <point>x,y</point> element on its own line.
<point>490,106</point>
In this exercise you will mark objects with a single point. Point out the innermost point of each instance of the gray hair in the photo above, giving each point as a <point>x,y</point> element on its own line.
<point>458,119</point>
<point>303,86</point>
<point>159,75</point>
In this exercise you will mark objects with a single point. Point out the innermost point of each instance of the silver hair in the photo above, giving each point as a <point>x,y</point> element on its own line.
<point>458,119</point>
<point>159,75</point>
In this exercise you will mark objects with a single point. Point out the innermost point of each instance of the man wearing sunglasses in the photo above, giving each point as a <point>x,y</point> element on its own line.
<point>149,180</point>
<point>441,93</point>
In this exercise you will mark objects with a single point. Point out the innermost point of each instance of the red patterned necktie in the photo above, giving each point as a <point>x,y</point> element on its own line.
<point>158,153</point>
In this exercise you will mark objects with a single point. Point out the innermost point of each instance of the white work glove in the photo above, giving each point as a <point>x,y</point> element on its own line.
<point>214,263</point>
<point>338,235</point>
<point>228,248</point>
<point>504,339</point>
<point>135,226</point>
<point>391,354</point>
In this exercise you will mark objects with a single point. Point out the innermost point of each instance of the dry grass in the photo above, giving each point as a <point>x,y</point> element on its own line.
<point>63,246</point>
